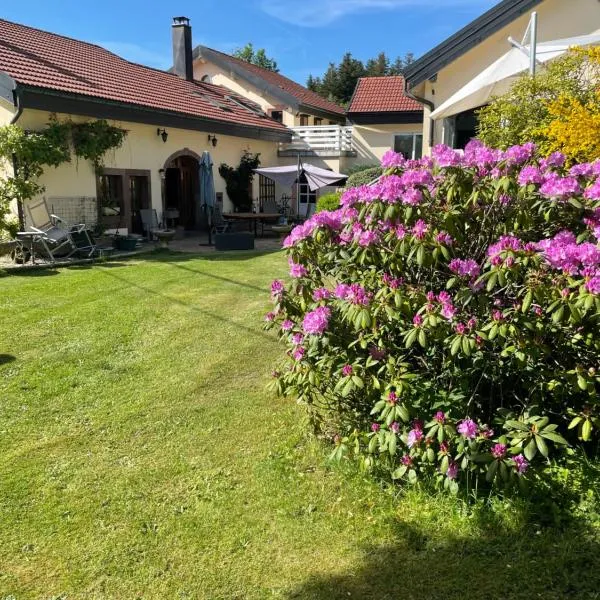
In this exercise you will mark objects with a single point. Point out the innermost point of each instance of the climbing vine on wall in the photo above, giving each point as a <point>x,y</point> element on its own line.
<point>238,180</point>
<point>24,155</point>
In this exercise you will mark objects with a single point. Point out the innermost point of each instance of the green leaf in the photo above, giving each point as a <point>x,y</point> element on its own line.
<point>411,337</point>
<point>378,407</point>
<point>399,472</point>
<point>541,444</point>
<point>393,442</point>
<point>530,450</point>
<point>558,314</point>
<point>491,471</point>
<point>444,464</point>
<point>348,388</point>
<point>466,346</point>
<point>372,444</point>
<point>403,413</point>
<point>527,301</point>
<point>586,430</point>
<point>492,281</point>
<point>575,422</point>
<point>422,338</point>
<point>582,382</point>
<point>455,345</point>
<point>554,437</point>
<point>358,382</point>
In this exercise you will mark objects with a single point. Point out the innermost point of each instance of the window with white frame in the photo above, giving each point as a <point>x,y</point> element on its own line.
<point>410,145</point>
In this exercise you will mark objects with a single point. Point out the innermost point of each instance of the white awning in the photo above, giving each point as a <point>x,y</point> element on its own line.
<point>499,76</point>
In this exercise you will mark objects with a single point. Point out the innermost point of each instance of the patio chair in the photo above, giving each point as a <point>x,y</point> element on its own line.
<point>150,225</point>
<point>52,238</point>
<point>270,206</point>
<point>219,223</point>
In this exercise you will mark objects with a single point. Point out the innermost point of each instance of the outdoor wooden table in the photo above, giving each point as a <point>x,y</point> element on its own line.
<point>251,218</point>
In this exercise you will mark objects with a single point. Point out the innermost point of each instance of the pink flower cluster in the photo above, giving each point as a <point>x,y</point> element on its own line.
<point>465,268</point>
<point>562,188</point>
<point>296,269</point>
<point>563,253</point>
<point>332,220</point>
<point>353,293</point>
<point>316,321</point>
<point>468,429</point>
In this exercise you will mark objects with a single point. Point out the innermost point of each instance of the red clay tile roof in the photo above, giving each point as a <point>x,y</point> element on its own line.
<point>46,60</point>
<point>302,94</point>
<point>381,94</point>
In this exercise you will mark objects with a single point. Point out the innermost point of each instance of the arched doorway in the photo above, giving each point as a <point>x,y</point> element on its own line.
<point>182,188</point>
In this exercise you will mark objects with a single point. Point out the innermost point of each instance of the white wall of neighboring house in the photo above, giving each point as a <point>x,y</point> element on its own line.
<point>556,19</point>
<point>144,149</point>
<point>371,142</point>
<point>242,87</point>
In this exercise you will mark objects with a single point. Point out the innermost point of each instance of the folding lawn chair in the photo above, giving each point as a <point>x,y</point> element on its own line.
<point>48,235</point>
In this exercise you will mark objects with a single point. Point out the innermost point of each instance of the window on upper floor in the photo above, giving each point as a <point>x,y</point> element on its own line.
<point>318,121</point>
<point>277,115</point>
<point>303,120</point>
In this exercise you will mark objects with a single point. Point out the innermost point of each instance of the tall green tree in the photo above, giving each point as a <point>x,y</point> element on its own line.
<point>401,63</point>
<point>378,67</point>
<point>256,57</point>
<point>314,84</point>
<point>349,71</point>
<point>330,84</point>
<point>339,81</point>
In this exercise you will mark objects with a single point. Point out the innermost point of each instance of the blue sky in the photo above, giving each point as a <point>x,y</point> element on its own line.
<point>302,35</point>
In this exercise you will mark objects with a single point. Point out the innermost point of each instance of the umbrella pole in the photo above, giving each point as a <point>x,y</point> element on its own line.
<point>298,185</point>
<point>532,43</point>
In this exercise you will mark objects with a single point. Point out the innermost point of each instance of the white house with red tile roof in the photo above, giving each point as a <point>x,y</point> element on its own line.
<point>170,119</point>
<point>384,118</point>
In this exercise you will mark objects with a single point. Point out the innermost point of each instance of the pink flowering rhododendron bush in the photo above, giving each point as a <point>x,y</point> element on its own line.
<point>445,321</point>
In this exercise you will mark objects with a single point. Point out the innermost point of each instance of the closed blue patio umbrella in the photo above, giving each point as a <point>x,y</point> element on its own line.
<point>207,190</point>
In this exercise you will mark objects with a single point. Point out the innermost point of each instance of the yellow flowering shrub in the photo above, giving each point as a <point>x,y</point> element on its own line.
<point>558,109</point>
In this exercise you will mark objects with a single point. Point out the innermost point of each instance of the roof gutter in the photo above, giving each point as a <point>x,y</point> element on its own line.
<point>428,103</point>
<point>100,108</point>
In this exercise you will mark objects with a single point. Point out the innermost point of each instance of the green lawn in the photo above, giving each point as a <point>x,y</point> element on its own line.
<point>142,458</point>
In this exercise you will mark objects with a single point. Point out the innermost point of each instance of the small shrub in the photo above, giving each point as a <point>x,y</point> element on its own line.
<point>445,322</point>
<point>328,202</point>
<point>364,177</point>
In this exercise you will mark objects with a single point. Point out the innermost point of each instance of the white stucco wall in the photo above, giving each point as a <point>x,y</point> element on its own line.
<point>144,149</point>
<point>373,141</point>
<point>556,19</point>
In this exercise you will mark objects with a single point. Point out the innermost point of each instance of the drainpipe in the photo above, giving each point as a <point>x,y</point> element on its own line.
<point>15,118</point>
<point>17,103</point>
<point>427,103</point>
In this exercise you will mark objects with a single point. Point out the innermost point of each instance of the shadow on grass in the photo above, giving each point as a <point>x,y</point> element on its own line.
<point>166,255</point>
<point>6,358</point>
<point>498,563</point>
<point>193,307</point>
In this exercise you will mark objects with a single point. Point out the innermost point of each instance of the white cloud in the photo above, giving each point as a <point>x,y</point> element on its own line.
<point>138,54</point>
<point>318,13</point>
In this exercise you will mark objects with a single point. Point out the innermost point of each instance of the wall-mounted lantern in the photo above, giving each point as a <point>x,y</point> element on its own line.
<point>162,174</point>
<point>162,133</point>
<point>212,139</point>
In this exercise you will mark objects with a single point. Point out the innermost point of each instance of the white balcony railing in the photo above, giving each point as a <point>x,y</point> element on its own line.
<point>321,139</point>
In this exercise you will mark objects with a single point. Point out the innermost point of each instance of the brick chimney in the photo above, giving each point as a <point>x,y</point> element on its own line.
<point>182,48</point>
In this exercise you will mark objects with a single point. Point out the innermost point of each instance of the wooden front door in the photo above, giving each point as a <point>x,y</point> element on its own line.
<point>182,190</point>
